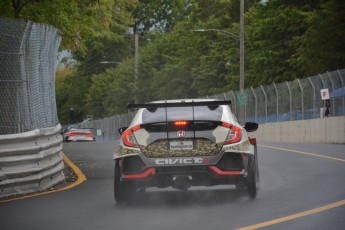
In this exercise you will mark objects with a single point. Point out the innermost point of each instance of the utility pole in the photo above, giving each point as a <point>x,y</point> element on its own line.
<point>136,63</point>
<point>242,45</point>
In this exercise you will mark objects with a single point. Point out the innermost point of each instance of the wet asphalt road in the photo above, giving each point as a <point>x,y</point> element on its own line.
<point>291,183</point>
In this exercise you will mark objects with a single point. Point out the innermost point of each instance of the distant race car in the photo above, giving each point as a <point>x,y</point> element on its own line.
<point>183,143</point>
<point>79,134</point>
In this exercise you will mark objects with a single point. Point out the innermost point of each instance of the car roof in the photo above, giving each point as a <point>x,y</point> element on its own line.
<point>179,103</point>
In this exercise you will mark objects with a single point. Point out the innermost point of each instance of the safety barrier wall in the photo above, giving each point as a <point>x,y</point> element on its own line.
<point>30,161</point>
<point>30,140</point>
<point>329,130</point>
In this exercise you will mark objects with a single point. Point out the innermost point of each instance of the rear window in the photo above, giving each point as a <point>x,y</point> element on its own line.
<point>201,113</point>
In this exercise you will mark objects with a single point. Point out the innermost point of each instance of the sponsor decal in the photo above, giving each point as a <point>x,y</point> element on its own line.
<point>181,161</point>
<point>181,145</point>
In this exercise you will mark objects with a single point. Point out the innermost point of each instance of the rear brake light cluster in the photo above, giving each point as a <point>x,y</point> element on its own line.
<point>180,123</point>
<point>80,134</point>
<point>129,138</point>
<point>234,135</point>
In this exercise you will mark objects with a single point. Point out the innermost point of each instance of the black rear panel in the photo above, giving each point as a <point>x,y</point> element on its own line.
<point>190,126</point>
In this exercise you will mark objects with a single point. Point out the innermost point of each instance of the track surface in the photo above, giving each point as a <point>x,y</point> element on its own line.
<point>299,190</point>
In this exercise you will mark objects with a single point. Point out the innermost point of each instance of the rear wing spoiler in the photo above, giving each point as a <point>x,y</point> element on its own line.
<point>178,104</point>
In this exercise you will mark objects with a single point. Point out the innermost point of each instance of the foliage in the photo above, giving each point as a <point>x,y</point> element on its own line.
<point>322,47</point>
<point>157,14</point>
<point>270,42</point>
<point>110,92</point>
<point>76,20</point>
<point>284,40</point>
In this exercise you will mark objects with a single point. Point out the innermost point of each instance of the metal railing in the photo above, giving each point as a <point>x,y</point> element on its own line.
<point>31,161</point>
<point>288,101</point>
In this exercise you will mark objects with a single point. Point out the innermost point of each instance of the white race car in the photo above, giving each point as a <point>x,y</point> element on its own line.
<point>78,134</point>
<point>183,143</point>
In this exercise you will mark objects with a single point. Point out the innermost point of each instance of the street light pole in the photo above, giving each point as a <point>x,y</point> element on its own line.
<point>134,69</point>
<point>240,38</point>
<point>242,45</point>
<point>136,63</point>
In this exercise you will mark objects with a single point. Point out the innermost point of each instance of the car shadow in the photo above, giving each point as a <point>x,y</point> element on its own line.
<point>177,198</point>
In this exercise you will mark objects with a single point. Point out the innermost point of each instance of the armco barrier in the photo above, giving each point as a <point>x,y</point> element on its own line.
<point>329,130</point>
<point>30,161</point>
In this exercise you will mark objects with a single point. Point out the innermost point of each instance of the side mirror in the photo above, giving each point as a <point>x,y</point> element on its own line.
<point>122,129</point>
<point>251,126</point>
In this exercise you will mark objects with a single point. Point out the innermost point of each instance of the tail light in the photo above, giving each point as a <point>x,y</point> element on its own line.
<point>252,141</point>
<point>234,135</point>
<point>129,138</point>
<point>71,134</point>
<point>89,134</point>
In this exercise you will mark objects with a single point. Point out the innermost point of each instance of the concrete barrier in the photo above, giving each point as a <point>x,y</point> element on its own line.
<point>30,161</point>
<point>324,130</point>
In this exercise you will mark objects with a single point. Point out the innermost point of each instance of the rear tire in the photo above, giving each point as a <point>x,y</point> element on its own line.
<point>123,191</point>
<point>252,180</point>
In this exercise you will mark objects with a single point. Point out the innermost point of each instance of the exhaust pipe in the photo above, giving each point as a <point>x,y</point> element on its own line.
<point>182,182</point>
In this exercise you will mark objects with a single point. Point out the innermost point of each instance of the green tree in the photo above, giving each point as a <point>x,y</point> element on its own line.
<point>271,29</point>
<point>284,40</point>
<point>110,92</point>
<point>322,47</point>
<point>146,15</point>
<point>75,19</point>
<point>157,14</point>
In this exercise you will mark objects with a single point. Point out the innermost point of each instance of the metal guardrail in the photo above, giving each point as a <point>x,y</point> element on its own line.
<point>30,161</point>
<point>30,140</point>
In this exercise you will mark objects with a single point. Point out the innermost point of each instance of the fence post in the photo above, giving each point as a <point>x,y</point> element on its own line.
<point>275,87</point>
<point>314,98</point>
<point>256,104</point>
<point>342,85</point>
<point>265,101</point>
<point>118,124</point>
<point>24,77</point>
<point>290,99</point>
<point>225,96</point>
<point>245,108</point>
<point>332,83</point>
<point>233,96</point>
<point>302,99</point>
<point>322,81</point>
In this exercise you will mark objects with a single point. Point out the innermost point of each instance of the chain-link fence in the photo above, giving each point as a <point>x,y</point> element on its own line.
<point>295,100</point>
<point>28,54</point>
<point>289,101</point>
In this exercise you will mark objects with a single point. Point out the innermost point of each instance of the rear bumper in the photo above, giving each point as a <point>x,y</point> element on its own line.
<point>196,176</point>
<point>81,139</point>
<point>229,168</point>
